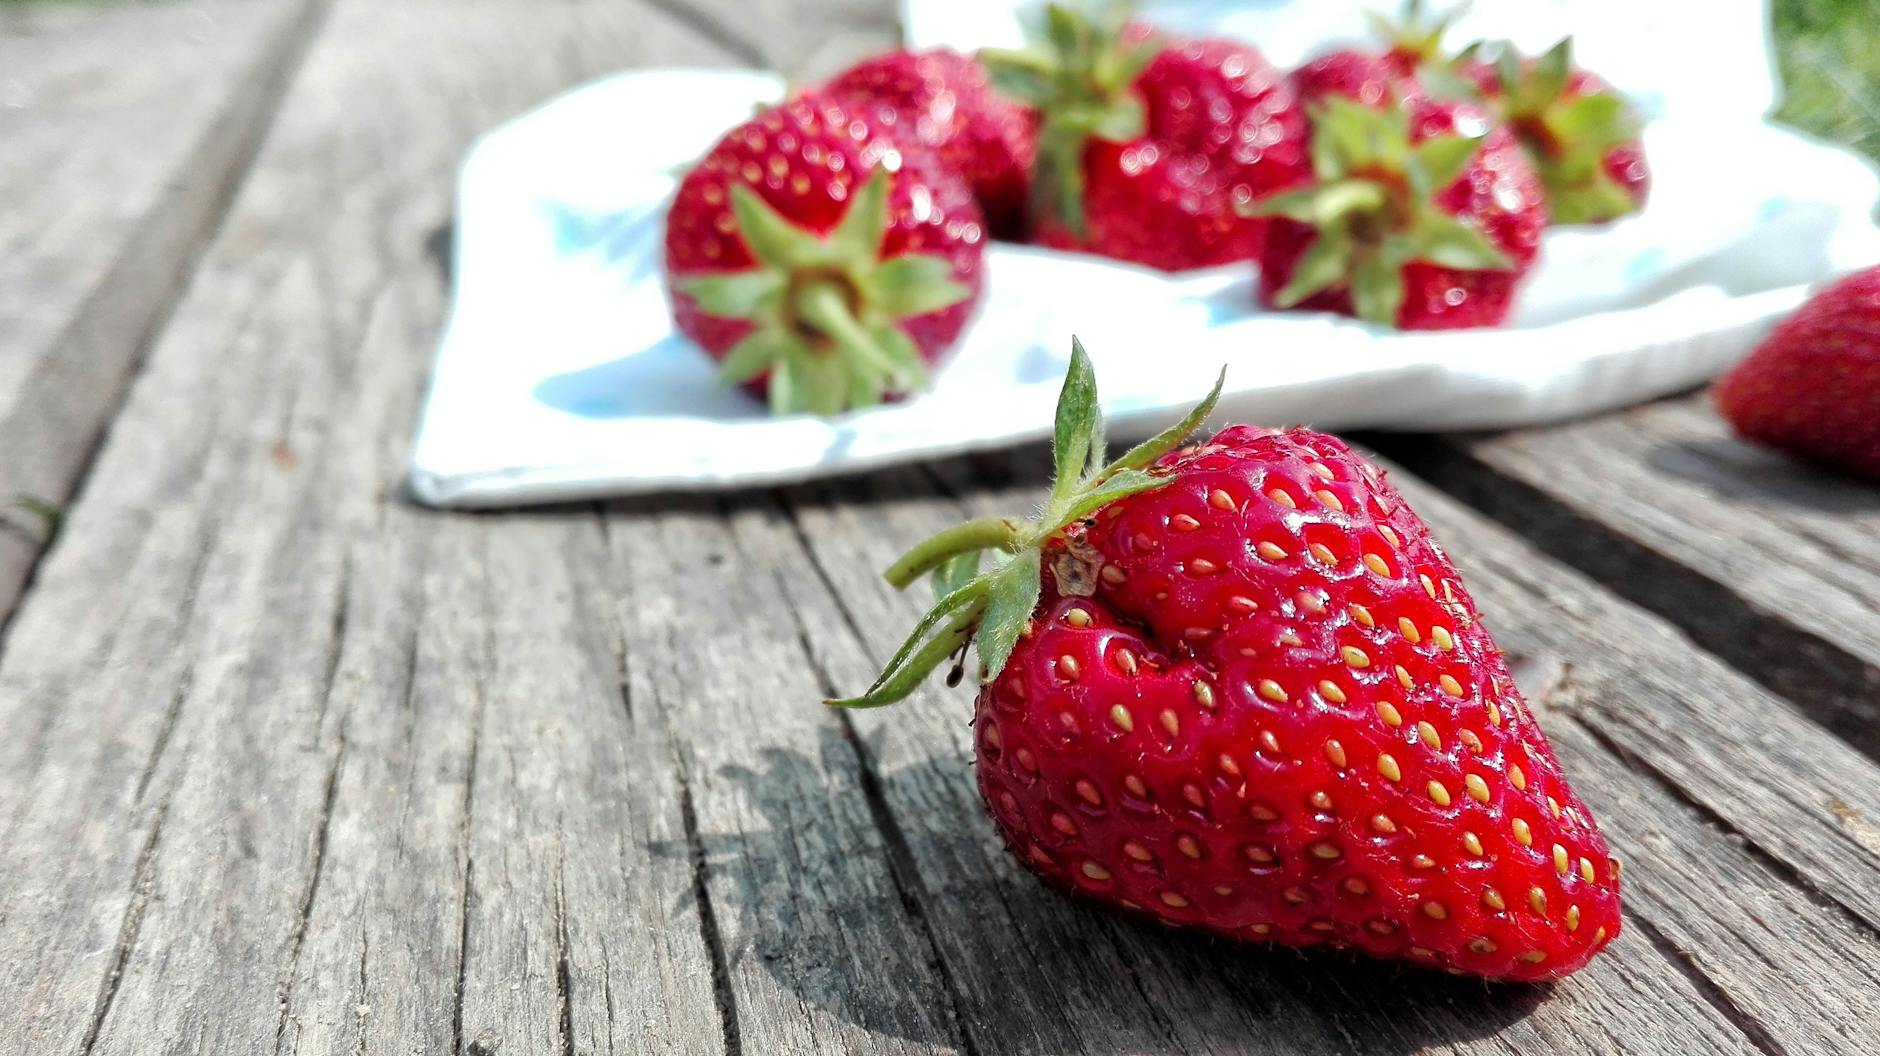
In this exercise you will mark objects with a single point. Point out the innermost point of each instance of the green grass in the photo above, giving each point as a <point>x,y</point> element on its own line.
<point>1829,53</point>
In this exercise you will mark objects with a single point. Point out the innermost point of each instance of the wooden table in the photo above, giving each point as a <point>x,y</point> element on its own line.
<point>289,764</point>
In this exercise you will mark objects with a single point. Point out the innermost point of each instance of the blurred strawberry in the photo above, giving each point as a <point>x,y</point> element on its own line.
<point>1813,387</point>
<point>1366,77</point>
<point>941,100</point>
<point>1412,49</point>
<point>1422,216</point>
<point>1582,135</point>
<point>822,263</point>
<point>1146,146</point>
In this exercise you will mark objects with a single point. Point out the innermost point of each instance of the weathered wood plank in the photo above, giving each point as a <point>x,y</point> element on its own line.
<point>802,39</point>
<point>126,129</point>
<point>1771,565</point>
<point>821,949</point>
<point>299,766</point>
<point>557,782</point>
<point>1794,899</point>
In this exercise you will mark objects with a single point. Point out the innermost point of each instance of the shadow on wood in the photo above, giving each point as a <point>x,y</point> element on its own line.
<point>1375,1006</point>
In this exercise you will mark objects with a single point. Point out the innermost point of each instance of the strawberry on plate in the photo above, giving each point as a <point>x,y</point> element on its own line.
<point>823,262</point>
<point>1237,686</point>
<point>1146,146</point>
<point>1421,215</point>
<point>1582,135</point>
<point>1812,388</point>
<point>1412,44</point>
<point>941,100</point>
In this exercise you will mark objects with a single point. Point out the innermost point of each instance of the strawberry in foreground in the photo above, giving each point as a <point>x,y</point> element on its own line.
<point>1146,147</point>
<point>1422,216</point>
<point>821,261</point>
<point>941,100</point>
<point>1812,387</point>
<point>1582,135</point>
<point>1237,686</point>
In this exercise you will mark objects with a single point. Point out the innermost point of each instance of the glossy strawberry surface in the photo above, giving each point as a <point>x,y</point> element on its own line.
<point>806,158</point>
<point>1813,386</point>
<point>940,100</point>
<point>1280,718</point>
<point>1498,193</point>
<point>1366,77</point>
<point>1221,129</point>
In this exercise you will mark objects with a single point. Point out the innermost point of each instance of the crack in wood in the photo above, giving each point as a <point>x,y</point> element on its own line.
<point>310,892</point>
<point>699,21</point>
<point>564,980</point>
<point>1707,988</point>
<point>164,731</point>
<point>722,991</point>
<point>336,641</point>
<point>362,1009</point>
<point>1826,681</point>
<point>1789,874</point>
<point>127,930</point>
<point>463,956</point>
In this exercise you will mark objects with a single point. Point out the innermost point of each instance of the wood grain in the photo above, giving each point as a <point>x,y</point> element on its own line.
<point>1769,564</point>
<point>300,767</point>
<point>125,131</point>
<point>292,765</point>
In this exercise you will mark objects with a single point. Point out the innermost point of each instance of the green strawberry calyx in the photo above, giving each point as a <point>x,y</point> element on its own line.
<point>995,604</point>
<point>1372,201</point>
<point>1567,135</point>
<point>1081,78</point>
<point>825,307</point>
<point>1417,33</point>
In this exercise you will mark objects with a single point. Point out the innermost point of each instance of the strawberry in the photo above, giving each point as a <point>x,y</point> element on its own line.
<point>1238,687</point>
<point>941,100</point>
<point>1582,135</point>
<point>1147,147</point>
<point>1422,216</point>
<point>1371,79</point>
<point>1813,386</point>
<point>820,260</point>
<point>1413,45</point>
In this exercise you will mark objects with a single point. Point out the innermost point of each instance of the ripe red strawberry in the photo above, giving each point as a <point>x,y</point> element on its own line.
<point>1422,216</point>
<point>941,100</point>
<point>1413,43</point>
<point>821,260</point>
<point>1238,687</point>
<point>1147,147</point>
<point>1813,387</point>
<point>1365,77</point>
<point>1582,135</point>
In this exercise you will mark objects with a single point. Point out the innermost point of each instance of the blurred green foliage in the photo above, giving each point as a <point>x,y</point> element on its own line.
<point>1829,52</point>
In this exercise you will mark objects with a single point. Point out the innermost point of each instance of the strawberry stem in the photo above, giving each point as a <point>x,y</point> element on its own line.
<point>995,605</point>
<point>988,533</point>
